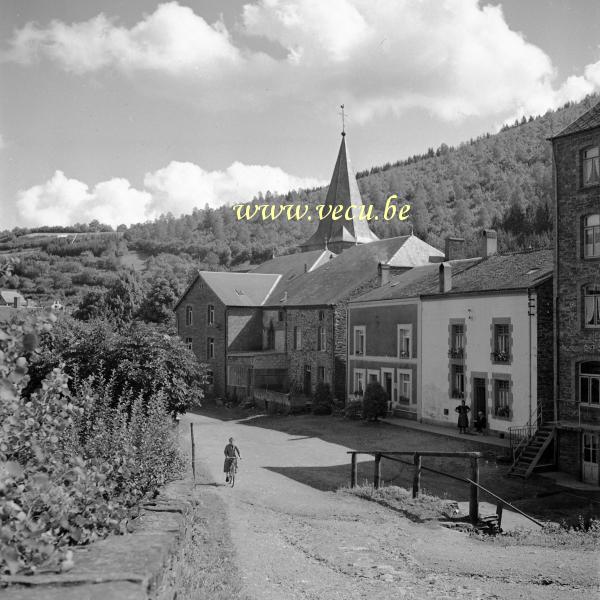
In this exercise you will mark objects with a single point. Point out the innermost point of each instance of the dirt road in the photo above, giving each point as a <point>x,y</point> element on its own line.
<point>296,542</point>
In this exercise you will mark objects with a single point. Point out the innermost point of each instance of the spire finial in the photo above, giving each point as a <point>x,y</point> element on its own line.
<point>343,114</point>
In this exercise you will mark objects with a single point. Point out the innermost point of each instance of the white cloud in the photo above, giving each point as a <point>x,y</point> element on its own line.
<point>454,58</point>
<point>172,39</point>
<point>177,188</point>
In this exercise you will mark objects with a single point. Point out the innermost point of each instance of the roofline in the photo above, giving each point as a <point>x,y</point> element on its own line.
<point>562,134</point>
<point>187,289</point>
<point>275,283</point>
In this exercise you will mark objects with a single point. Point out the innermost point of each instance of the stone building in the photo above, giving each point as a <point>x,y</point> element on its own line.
<point>576,152</point>
<point>281,328</point>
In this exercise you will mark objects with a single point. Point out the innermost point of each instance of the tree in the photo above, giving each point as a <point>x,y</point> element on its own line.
<point>375,401</point>
<point>322,399</point>
<point>91,306</point>
<point>157,304</point>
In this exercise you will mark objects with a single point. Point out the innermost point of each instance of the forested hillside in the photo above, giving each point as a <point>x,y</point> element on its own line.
<point>502,180</point>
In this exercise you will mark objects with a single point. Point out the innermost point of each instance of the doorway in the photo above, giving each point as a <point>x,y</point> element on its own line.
<point>590,458</point>
<point>307,380</point>
<point>479,396</point>
<point>387,376</point>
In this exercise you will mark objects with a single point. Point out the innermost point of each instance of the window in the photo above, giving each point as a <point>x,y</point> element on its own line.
<point>321,315</point>
<point>404,387</point>
<point>322,339</point>
<point>457,340</point>
<point>210,314</point>
<point>210,347</point>
<point>280,316</point>
<point>501,398</point>
<point>372,375</point>
<point>404,341</point>
<point>321,374</point>
<point>297,338</point>
<point>501,343</point>
<point>591,236</point>
<point>591,304</point>
<point>589,383</point>
<point>188,315</point>
<point>209,377</point>
<point>458,381</point>
<point>359,340</point>
<point>188,342</point>
<point>591,166</point>
<point>359,381</point>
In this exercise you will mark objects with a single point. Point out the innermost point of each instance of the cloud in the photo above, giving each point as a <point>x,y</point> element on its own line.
<point>454,59</point>
<point>177,188</point>
<point>2,142</point>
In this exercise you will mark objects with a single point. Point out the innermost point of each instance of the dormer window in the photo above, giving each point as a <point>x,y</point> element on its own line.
<point>591,236</point>
<point>591,166</point>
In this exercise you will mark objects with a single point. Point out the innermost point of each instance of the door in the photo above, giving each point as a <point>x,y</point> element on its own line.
<point>388,385</point>
<point>590,458</point>
<point>307,380</point>
<point>479,397</point>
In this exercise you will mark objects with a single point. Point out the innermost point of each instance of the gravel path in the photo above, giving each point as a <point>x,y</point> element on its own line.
<point>296,542</point>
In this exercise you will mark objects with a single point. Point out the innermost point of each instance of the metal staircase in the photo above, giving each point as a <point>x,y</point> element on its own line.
<point>530,450</point>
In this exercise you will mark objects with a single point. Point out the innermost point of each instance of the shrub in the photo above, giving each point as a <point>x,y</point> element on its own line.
<point>375,402</point>
<point>353,410</point>
<point>73,467</point>
<point>322,400</point>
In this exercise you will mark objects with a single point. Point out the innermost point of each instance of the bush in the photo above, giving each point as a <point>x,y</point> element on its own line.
<point>375,402</point>
<point>353,410</point>
<point>322,400</point>
<point>73,467</point>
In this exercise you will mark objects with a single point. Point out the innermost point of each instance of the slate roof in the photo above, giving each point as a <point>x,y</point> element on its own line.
<point>518,271</point>
<point>237,289</point>
<point>295,264</point>
<point>587,120</point>
<point>343,191</point>
<point>336,280</point>
<point>7,297</point>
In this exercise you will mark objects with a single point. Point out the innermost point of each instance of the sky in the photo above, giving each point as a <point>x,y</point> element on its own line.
<point>123,111</point>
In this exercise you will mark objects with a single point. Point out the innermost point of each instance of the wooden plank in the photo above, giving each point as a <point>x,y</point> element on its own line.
<point>474,492</point>
<point>353,471</point>
<point>377,474</point>
<point>416,475</point>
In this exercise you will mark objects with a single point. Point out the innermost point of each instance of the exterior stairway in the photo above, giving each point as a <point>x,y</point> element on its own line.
<point>530,452</point>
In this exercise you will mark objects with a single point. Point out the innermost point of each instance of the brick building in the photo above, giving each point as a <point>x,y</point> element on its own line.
<point>576,153</point>
<point>281,328</point>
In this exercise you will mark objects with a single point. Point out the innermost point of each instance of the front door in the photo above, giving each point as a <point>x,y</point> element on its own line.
<point>307,381</point>
<point>590,458</point>
<point>479,397</point>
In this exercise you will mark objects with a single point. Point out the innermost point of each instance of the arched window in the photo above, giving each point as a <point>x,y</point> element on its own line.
<point>591,166</point>
<point>591,236</point>
<point>589,383</point>
<point>591,305</point>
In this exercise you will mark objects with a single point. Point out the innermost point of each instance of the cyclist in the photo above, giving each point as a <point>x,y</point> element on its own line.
<point>230,455</point>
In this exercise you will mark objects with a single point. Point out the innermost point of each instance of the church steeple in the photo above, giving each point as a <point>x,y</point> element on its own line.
<point>343,191</point>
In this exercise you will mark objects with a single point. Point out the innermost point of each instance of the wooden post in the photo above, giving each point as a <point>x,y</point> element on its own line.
<point>353,471</point>
<point>193,452</point>
<point>416,475</point>
<point>499,509</point>
<point>474,497</point>
<point>377,475</point>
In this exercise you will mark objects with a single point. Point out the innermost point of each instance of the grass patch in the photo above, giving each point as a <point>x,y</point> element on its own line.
<point>204,565</point>
<point>583,536</point>
<point>423,508</point>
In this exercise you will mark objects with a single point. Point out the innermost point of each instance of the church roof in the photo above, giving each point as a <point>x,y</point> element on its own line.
<point>343,191</point>
<point>588,120</point>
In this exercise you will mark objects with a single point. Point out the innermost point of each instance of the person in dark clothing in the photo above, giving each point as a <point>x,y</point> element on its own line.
<point>480,422</point>
<point>463,417</point>
<point>231,450</point>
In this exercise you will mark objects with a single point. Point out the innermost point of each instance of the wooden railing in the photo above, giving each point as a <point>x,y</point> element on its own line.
<point>473,481</point>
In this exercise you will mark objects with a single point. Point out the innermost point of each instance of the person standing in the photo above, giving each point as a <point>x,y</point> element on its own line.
<point>463,417</point>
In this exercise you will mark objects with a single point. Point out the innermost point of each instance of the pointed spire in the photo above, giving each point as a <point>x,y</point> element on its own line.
<point>343,191</point>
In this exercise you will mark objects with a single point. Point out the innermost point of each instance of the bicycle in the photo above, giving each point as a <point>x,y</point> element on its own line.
<point>232,471</point>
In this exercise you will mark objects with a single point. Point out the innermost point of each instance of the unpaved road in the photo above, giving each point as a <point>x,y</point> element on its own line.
<point>298,543</point>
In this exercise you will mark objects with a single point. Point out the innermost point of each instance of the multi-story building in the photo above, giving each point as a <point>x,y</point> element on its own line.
<point>576,152</point>
<point>283,326</point>
<point>477,329</point>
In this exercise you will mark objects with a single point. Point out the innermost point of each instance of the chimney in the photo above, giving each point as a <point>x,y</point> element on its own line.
<point>384,274</point>
<point>445,277</point>
<point>454,248</point>
<point>489,243</point>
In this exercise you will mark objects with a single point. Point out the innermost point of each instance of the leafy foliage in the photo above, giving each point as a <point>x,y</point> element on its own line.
<point>322,400</point>
<point>374,401</point>
<point>73,466</point>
